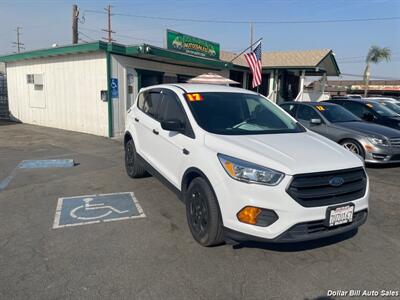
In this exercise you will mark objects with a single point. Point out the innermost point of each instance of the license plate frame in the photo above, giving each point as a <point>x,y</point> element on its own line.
<point>347,209</point>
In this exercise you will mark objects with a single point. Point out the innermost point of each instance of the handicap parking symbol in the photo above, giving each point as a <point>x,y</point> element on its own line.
<point>82,210</point>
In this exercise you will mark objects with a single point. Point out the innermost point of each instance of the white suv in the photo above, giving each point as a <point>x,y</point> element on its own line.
<point>245,169</point>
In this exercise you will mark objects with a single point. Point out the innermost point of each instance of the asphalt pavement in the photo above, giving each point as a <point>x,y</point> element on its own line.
<point>155,257</point>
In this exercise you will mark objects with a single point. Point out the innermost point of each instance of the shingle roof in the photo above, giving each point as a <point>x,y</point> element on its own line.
<point>284,59</point>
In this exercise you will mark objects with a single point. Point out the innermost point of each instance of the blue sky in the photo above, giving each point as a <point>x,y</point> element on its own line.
<point>46,22</point>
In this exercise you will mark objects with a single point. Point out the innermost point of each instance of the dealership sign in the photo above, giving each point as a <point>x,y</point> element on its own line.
<point>191,45</point>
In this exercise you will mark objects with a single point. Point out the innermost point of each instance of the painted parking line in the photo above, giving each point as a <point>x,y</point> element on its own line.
<point>46,163</point>
<point>91,209</point>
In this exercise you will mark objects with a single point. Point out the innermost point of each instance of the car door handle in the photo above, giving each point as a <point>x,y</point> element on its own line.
<point>155,131</point>
<point>136,119</point>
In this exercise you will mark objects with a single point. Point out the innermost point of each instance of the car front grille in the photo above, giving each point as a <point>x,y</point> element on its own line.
<point>395,142</point>
<point>316,189</point>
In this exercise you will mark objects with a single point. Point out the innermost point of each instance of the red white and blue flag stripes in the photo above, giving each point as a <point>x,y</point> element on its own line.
<point>254,61</point>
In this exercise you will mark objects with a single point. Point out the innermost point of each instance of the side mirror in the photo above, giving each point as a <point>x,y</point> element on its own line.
<point>172,125</point>
<point>368,117</point>
<point>316,121</point>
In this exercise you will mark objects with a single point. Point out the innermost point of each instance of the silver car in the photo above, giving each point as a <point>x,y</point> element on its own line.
<point>375,143</point>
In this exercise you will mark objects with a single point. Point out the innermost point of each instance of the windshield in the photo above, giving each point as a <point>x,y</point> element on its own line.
<point>382,110</point>
<point>239,114</point>
<point>392,106</point>
<point>336,114</point>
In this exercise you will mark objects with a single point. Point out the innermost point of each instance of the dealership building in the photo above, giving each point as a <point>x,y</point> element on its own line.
<point>89,87</point>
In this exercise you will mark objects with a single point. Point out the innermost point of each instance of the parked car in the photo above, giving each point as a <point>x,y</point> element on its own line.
<point>245,169</point>
<point>390,103</point>
<point>371,111</point>
<point>374,143</point>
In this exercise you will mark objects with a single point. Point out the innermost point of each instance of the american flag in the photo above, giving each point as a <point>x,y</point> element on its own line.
<point>254,61</point>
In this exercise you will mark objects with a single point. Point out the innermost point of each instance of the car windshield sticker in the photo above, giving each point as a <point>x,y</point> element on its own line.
<point>320,107</point>
<point>194,97</point>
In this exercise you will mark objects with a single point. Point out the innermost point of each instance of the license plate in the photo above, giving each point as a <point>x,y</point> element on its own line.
<point>340,215</point>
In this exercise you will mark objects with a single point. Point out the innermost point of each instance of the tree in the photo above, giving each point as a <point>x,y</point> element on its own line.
<point>375,55</point>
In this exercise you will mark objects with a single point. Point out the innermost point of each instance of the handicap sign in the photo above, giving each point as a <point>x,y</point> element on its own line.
<point>114,88</point>
<point>82,210</point>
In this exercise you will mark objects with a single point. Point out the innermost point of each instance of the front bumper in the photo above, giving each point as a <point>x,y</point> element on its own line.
<point>301,232</point>
<point>382,155</point>
<point>234,195</point>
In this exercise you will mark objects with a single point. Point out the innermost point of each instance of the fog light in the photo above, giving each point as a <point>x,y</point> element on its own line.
<point>369,148</point>
<point>249,215</point>
<point>257,216</point>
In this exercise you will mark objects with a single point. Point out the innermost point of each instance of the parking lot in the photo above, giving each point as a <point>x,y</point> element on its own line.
<point>154,256</point>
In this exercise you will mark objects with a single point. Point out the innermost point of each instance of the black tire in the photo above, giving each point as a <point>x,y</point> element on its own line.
<point>203,214</point>
<point>132,165</point>
<point>353,146</point>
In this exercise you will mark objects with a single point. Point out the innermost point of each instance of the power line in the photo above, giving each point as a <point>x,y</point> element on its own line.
<point>246,22</point>
<point>123,35</point>
<point>87,36</point>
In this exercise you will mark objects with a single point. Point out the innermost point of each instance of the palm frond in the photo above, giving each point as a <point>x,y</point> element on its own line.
<point>377,54</point>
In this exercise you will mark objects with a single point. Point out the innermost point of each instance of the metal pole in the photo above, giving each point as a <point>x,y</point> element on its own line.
<point>251,36</point>
<point>75,24</point>
<point>18,43</point>
<point>109,24</point>
<point>108,30</point>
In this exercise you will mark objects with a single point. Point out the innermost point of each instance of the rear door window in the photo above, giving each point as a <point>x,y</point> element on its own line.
<point>306,113</point>
<point>149,102</point>
<point>356,108</point>
<point>172,109</point>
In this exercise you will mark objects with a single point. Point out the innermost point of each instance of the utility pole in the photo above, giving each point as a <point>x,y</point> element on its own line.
<point>108,30</point>
<point>75,15</point>
<point>18,44</point>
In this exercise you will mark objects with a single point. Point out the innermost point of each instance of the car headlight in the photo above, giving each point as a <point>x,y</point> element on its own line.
<point>248,172</point>
<point>378,141</point>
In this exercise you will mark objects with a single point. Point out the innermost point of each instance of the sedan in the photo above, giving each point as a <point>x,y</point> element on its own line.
<point>371,111</point>
<point>374,143</point>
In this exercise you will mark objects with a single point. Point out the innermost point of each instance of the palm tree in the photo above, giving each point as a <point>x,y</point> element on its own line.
<point>375,55</point>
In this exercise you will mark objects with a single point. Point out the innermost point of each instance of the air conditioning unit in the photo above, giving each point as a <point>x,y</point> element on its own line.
<point>38,79</point>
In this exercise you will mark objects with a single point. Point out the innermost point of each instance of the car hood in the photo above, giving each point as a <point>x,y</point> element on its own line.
<point>291,153</point>
<point>369,129</point>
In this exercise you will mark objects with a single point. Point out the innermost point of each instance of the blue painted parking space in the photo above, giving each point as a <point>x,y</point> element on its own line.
<point>89,209</point>
<point>46,163</point>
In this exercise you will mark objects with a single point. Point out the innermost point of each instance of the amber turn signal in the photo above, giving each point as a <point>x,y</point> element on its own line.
<point>249,215</point>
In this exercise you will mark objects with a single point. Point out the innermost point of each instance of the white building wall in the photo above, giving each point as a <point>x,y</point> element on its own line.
<point>120,65</point>
<point>70,97</point>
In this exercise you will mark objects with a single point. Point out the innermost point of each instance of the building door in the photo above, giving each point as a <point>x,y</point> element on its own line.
<point>130,84</point>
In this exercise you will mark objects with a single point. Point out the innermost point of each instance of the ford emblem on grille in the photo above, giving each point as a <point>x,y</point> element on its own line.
<point>336,181</point>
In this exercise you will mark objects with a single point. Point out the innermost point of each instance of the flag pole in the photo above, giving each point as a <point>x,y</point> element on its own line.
<point>245,50</point>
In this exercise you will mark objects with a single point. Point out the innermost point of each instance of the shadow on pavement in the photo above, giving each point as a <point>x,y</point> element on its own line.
<point>7,123</point>
<point>296,247</point>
